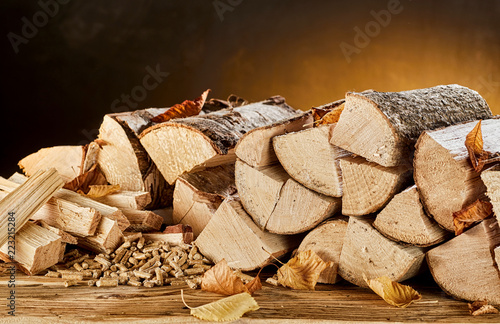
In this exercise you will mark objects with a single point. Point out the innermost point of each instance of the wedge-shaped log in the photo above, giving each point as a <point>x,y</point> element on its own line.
<point>67,160</point>
<point>256,148</point>
<point>36,249</point>
<point>125,162</point>
<point>127,199</point>
<point>190,144</point>
<point>383,126</point>
<point>142,220</point>
<point>173,235</point>
<point>65,237</point>
<point>198,195</point>
<point>327,240</point>
<point>464,268</point>
<point>232,235</point>
<point>369,186</point>
<point>366,251</point>
<point>404,220</point>
<point>309,158</point>
<point>443,172</point>
<point>27,199</point>
<point>278,203</point>
<point>108,236</point>
<point>491,179</point>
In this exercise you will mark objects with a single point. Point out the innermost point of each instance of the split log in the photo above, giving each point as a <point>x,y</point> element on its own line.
<point>125,162</point>
<point>191,144</point>
<point>36,249</point>
<point>491,179</point>
<point>464,268</point>
<point>126,199</point>
<point>327,240</point>
<point>231,234</point>
<point>198,195</point>
<point>108,236</point>
<point>142,220</point>
<point>404,220</point>
<point>366,251</point>
<point>27,199</point>
<point>65,237</point>
<point>278,203</point>
<point>256,148</point>
<point>67,160</point>
<point>443,172</point>
<point>173,235</point>
<point>383,126</point>
<point>309,158</point>
<point>368,186</point>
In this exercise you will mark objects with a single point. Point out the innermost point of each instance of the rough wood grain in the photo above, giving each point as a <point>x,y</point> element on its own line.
<point>255,147</point>
<point>383,126</point>
<point>464,268</point>
<point>108,236</point>
<point>190,144</point>
<point>65,237</point>
<point>366,251</point>
<point>404,220</point>
<point>443,172</point>
<point>491,179</point>
<point>198,195</point>
<point>231,234</point>
<point>127,199</point>
<point>368,186</point>
<point>327,240</point>
<point>142,220</point>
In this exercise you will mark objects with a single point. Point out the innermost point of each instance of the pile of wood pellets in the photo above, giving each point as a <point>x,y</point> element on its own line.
<point>134,263</point>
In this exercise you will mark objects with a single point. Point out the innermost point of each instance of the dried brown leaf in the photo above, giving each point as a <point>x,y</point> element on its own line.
<point>331,117</point>
<point>82,183</point>
<point>186,109</point>
<point>227,309</point>
<point>475,212</point>
<point>393,292</point>
<point>222,280</point>
<point>481,308</point>
<point>302,271</point>
<point>97,191</point>
<point>474,144</point>
<point>254,285</point>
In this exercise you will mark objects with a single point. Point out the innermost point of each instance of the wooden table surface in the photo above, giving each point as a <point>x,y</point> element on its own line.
<point>46,300</point>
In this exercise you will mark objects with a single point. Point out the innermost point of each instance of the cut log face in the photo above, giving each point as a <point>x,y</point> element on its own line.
<point>173,235</point>
<point>327,240</point>
<point>443,173</point>
<point>127,199</point>
<point>37,249</point>
<point>491,179</point>
<point>464,268</point>
<point>232,235</point>
<point>368,186</point>
<point>198,195</point>
<point>108,236</point>
<point>255,147</point>
<point>190,144</point>
<point>309,158</point>
<point>366,251</point>
<point>383,126</point>
<point>404,220</point>
<point>67,160</point>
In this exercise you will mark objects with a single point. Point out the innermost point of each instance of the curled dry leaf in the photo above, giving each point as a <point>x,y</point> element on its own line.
<point>331,117</point>
<point>465,218</point>
<point>82,183</point>
<point>186,109</point>
<point>481,308</point>
<point>227,309</point>
<point>393,292</point>
<point>254,285</point>
<point>302,271</point>
<point>222,280</point>
<point>97,191</point>
<point>477,155</point>
<point>328,114</point>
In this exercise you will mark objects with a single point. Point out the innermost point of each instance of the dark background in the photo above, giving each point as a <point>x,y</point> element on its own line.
<point>56,89</point>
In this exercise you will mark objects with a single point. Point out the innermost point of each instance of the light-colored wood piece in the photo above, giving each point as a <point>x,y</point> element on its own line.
<point>491,179</point>
<point>65,237</point>
<point>496,253</point>
<point>368,186</point>
<point>366,251</point>
<point>142,220</point>
<point>443,172</point>
<point>231,234</point>
<point>309,158</point>
<point>256,148</point>
<point>36,248</point>
<point>170,238</point>
<point>327,240</point>
<point>127,199</point>
<point>27,199</point>
<point>190,144</point>
<point>464,268</point>
<point>66,160</point>
<point>198,195</point>
<point>404,220</point>
<point>108,236</point>
<point>383,126</point>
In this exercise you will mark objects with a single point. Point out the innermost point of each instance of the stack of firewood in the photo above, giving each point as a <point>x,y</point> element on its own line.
<point>373,182</point>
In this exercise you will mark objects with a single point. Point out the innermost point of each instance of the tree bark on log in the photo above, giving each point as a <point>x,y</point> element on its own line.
<point>404,220</point>
<point>366,251</point>
<point>491,179</point>
<point>327,240</point>
<point>368,186</point>
<point>310,159</point>
<point>464,268</point>
<point>443,172</point>
<point>191,144</point>
<point>231,234</point>
<point>383,126</point>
